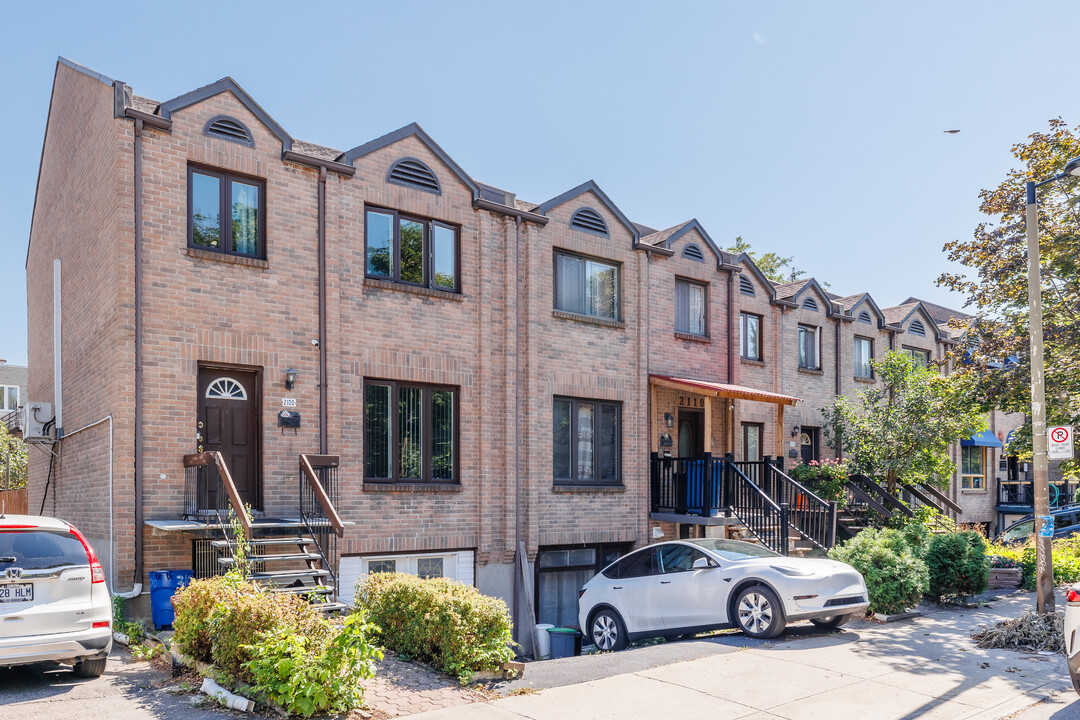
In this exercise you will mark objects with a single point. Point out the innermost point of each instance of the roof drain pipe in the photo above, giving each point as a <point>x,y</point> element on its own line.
<point>139,407</point>
<point>323,415</point>
<point>518,590</point>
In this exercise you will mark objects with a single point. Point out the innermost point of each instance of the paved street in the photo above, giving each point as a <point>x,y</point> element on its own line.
<point>926,668</point>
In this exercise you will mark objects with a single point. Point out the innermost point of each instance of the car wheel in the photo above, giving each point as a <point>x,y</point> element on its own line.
<point>832,622</point>
<point>758,613</point>
<point>90,668</point>
<point>607,631</point>
<point>1076,684</point>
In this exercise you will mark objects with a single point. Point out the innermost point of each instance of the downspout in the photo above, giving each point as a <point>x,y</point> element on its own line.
<point>839,445</point>
<point>522,562</point>
<point>322,313</point>
<point>731,327</point>
<point>139,407</point>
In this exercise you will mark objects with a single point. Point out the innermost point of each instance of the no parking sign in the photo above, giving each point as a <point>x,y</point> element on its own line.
<point>1060,445</point>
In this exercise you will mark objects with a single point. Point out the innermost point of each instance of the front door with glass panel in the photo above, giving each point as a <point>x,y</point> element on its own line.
<point>808,440</point>
<point>229,424</point>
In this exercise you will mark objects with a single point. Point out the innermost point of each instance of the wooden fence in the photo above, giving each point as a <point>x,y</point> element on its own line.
<point>13,502</point>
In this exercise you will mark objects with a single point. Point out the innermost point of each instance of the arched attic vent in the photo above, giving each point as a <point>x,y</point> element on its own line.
<point>228,128</point>
<point>590,221</point>
<point>413,173</point>
<point>810,304</point>
<point>693,252</point>
<point>745,286</point>
<point>865,317</point>
<point>917,328</point>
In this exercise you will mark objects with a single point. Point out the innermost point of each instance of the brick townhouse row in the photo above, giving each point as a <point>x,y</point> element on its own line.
<point>492,374</point>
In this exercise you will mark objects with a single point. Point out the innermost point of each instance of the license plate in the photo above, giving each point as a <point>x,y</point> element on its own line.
<point>19,592</point>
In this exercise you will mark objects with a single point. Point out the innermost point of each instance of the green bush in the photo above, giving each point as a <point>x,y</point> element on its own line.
<point>957,564</point>
<point>895,577</point>
<point>445,623</point>
<point>195,606</point>
<point>308,675</point>
<point>247,615</point>
<point>1065,557</point>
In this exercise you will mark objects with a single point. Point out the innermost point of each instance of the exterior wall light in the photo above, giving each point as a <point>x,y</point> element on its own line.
<point>669,420</point>
<point>290,379</point>
<point>795,431</point>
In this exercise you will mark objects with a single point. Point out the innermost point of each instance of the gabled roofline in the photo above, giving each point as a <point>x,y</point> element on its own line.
<point>227,84</point>
<point>390,138</point>
<point>745,259</point>
<point>103,79</point>
<point>693,224</point>
<point>581,190</point>
<point>830,306</point>
<point>867,298</point>
<point>926,314</point>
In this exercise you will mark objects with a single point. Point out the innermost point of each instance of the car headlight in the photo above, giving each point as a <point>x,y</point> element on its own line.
<point>794,572</point>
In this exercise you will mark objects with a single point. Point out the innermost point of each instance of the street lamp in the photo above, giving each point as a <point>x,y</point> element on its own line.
<point>1044,570</point>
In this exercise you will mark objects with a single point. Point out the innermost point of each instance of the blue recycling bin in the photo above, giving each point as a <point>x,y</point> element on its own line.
<point>565,642</point>
<point>163,583</point>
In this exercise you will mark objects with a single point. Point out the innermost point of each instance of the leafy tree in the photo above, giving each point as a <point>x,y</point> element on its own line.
<point>12,461</point>
<point>776,268</point>
<point>995,257</point>
<point>902,429</point>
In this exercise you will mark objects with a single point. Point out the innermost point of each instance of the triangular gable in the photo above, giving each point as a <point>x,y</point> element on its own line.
<point>873,306</point>
<point>689,227</point>
<point>581,190</point>
<point>412,129</point>
<point>811,283</point>
<point>745,259</point>
<point>926,315</point>
<point>227,84</point>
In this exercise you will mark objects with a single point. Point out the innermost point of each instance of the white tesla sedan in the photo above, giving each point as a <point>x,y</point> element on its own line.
<point>54,605</point>
<point>690,586</point>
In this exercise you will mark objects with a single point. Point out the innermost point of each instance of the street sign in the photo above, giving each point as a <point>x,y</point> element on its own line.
<point>1060,445</point>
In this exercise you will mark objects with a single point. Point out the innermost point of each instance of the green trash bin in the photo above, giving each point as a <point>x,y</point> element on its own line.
<point>565,642</point>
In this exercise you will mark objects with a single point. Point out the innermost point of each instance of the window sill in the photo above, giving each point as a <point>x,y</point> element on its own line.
<point>868,381</point>
<point>973,492</point>
<point>415,289</point>
<point>690,337</point>
<point>586,488</point>
<point>226,258</point>
<point>752,361</point>
<point>589,319</point>
<point>812,371</point>
<point>392,487</point>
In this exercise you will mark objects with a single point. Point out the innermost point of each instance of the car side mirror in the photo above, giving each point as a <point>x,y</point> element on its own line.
<point>703,564</point>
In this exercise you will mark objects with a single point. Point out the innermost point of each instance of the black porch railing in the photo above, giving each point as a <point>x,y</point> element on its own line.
<point>687,486</point>
<point>765,518</point>
<point>812,516</point>
<point>1022,494</point>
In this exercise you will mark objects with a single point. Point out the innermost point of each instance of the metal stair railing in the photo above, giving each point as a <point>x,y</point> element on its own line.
<point>766,519</point>
<point>319,488</point>
<point>209,490</point>
<point>685,486</point>
<point>809,514</point>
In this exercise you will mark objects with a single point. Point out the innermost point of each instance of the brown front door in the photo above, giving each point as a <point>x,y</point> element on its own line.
<point>229,417</point>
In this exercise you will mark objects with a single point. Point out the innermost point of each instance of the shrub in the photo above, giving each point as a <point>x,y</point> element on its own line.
<point>957,564</point>
<point>247,615</point>
<point>195,606</point>
<point>895,577</point>
<point>1065,557</point>
<point>308,675</point>
<point>450,625</point>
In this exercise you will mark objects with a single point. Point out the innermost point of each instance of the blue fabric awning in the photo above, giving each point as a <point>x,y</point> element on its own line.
<point>983,439</point>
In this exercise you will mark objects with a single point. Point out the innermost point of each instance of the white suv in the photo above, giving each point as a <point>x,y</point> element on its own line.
<point>54,604</point>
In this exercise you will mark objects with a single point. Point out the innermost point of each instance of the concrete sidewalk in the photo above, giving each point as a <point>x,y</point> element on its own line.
<point>924,668</point>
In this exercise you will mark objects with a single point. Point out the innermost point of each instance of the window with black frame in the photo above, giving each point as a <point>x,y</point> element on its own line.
<point>410,432</point>
<point>410,250</point>
<point>809,348</point>
<point>586,286</point>
<point>690,308</point>
<point>587,441</point>
<point>864,353</point>
<point>561,572</point>
<point>750,336</point>
<point>226,213</point>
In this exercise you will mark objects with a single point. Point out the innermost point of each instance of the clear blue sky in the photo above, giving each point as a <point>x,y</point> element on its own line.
<point>811,129</point>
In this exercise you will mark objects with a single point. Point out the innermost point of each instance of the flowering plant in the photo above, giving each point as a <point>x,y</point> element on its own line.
<point>826,478</point>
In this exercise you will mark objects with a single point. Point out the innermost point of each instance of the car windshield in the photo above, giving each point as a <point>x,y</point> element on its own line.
<point>734,549</point>
<point>40,550</point>
<point>1019,532</point>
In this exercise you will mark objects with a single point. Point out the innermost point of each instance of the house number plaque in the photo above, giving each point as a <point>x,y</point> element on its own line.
<point>691,401</point>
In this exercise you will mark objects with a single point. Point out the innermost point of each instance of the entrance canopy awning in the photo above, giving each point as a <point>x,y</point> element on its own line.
<point>983,439</point>
<point>737,392</point>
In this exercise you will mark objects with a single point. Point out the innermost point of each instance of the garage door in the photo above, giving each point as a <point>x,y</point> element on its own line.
<point>457,565</point>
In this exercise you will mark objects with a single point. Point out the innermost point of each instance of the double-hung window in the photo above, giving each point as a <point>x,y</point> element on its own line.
<point>410,250</point>
<point>690,303</point>
<point>226,213</point>
<point>410,432</point>
<point>973,468</point>
<point>9,397</point>
<point>587,441</point>
<point>921,358</point>
<point>750,336</point>
<point>864,353</point>
<point>809,347</point>
<point>586,286</point>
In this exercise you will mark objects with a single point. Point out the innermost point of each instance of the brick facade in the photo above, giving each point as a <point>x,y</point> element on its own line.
<point>499,342</point>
